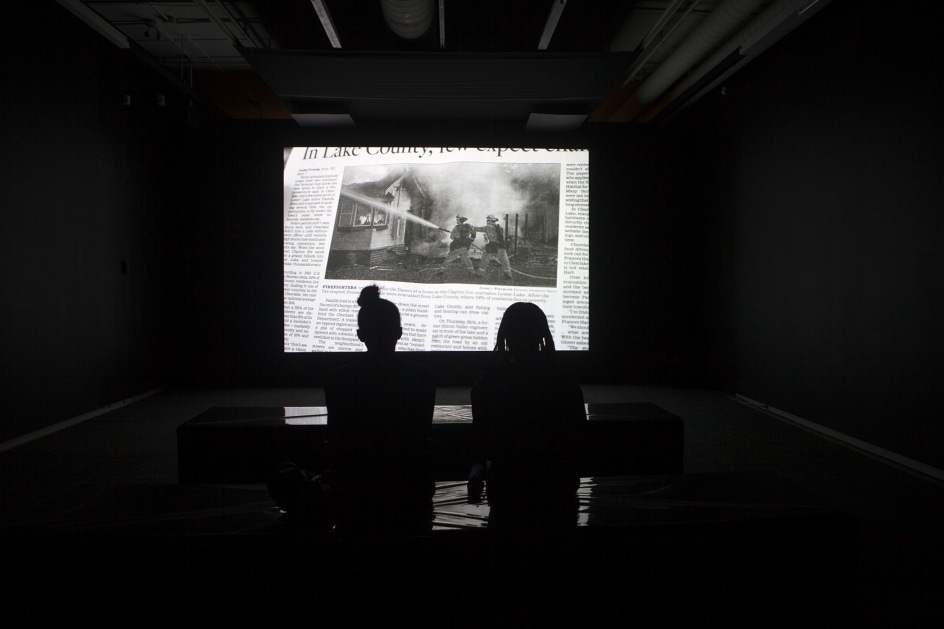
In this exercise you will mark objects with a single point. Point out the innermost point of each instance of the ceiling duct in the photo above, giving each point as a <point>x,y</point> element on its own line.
<point>649,46</point>
<point>780,18</point>
<point>714,29</point>
<point>409,19</point>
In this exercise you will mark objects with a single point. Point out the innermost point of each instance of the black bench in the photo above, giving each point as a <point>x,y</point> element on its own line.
<point>244,444</point>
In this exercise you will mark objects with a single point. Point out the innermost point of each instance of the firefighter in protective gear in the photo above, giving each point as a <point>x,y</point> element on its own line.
<point>462,236</point>
<point>495,246</point>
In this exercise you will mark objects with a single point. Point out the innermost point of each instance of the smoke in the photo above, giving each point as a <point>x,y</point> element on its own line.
<point>361,174</point>
<point>474,189</point>
<point>471,189</point>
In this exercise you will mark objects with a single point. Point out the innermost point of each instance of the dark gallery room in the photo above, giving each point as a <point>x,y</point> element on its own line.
<point>712,229</point>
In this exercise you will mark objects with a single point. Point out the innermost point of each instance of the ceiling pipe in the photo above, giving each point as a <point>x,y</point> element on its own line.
<point>245,29</point>
<point>183,86</point>
<point>720,23</point>
<point>232,37</point>
<point>779,19</point>
<point>161,28</point>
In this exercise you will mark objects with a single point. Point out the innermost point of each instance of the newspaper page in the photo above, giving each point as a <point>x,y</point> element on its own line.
<point>453,236</point>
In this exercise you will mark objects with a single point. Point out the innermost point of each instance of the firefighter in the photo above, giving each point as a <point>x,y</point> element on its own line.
<point>461,237</point>
<point>495,246</point>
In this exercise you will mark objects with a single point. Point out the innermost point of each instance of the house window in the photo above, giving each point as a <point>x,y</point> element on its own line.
<point>353,214</point>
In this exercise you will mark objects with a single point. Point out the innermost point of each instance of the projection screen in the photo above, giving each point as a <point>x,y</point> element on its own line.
<point>391,216</point>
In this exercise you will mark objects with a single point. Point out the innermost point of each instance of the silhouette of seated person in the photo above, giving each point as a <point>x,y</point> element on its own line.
<point>528,420</point>
<point>380,409</point>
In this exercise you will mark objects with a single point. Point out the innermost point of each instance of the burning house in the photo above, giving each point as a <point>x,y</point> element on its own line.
<point>389,213</point>
<point>379,221</point>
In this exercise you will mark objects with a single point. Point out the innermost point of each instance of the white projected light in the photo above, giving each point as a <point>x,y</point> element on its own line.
<point>453,236</point>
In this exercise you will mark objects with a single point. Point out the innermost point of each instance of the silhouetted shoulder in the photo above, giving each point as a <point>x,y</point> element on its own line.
<point>539,379</point>
<point>380,390</point>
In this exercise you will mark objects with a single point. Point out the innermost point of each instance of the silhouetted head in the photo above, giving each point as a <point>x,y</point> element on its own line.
<point>378,322</point>
<point>491,218</point>
<point>460,219</point>
<point>524,334</point>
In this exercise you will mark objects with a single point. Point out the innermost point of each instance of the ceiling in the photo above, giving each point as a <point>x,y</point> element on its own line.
<point>544,63</point>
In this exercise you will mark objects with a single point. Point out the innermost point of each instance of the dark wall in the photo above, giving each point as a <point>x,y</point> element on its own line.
<point>86,182</point>
<point>833,143</point>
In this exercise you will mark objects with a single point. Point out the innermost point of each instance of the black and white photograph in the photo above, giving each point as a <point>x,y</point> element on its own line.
<point>466,222</point>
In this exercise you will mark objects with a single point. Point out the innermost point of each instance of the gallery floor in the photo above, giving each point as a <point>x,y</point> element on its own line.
<point>130,454</point>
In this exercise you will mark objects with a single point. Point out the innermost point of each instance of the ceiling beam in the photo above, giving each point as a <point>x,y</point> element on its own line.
<point>327,23</point>
<point>557,7</point>
<point>442,24</point>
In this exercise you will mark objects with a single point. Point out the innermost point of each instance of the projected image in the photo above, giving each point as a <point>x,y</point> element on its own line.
<point>453,236</point>
<point>493,223</point>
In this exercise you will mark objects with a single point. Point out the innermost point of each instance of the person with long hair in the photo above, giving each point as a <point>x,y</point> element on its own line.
<point>528,418</point>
